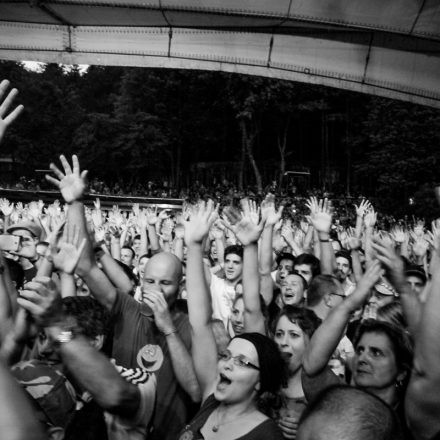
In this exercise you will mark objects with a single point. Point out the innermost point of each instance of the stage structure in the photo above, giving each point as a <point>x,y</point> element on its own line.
<point>389,48</point>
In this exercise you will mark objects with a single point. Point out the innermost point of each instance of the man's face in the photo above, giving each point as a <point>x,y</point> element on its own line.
<point>28,248</point>
<point>305,270</point>
<point>284,268</point>
<point>233,267</point>
<point>379,299</point>
<point>415,283</point>
<point>292,290</point>
<point>342,268</point>
<point>136,245</point>
<point>127,257</point>
<point>161,277</point>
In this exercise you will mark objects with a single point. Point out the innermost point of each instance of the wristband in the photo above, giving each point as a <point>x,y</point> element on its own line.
<point>324,240</point>
<point>170,332</point>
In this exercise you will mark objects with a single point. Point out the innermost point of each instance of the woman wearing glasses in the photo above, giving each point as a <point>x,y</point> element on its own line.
<point>233,381</point>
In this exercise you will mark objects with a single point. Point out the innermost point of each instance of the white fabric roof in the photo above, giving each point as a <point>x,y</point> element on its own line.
<point>384,47</point>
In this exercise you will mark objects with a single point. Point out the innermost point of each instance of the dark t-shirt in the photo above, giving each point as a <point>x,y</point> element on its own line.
<point>138,343</point>
<point>266,430</point>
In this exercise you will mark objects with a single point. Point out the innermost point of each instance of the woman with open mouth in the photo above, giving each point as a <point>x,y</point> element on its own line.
<point>233,381</point>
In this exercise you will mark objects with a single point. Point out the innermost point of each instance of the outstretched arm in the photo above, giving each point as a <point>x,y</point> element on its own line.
<point>327,336</point>
<point>204,349</point>
<point>248,231</point>
<point>72,184</point>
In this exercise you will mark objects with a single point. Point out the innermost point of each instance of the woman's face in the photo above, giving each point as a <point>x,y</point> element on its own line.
<point>141,267</point>
<point>374,363</point>
<point>291,341</point>
<point>237,317</point>
<point>237,383</point>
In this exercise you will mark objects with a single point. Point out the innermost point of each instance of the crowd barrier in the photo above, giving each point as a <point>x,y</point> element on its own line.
<point>124,203</point>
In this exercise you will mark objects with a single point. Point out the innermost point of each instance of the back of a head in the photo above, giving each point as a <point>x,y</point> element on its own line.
<point>342,412</point>
<point>319,287</point>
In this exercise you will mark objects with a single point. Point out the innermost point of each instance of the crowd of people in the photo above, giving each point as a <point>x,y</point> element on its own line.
<point>213,322</point>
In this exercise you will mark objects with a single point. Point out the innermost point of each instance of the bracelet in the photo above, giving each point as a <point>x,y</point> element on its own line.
<point>324,240</point>
<point>170,332</point>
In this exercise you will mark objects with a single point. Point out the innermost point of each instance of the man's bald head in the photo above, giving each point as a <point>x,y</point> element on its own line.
<point>347,413</point>
<point>163,272</point>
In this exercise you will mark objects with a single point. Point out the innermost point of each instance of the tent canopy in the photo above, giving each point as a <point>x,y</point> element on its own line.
<point>389,48</point>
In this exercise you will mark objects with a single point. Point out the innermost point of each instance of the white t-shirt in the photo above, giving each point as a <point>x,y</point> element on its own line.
<point>222,296</point>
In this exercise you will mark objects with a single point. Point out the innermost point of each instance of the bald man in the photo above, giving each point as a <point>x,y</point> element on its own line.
<point>153,335</point>
<point>342,412</point>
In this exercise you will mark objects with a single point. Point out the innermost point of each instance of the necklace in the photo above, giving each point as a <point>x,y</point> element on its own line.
<point>216,426</point>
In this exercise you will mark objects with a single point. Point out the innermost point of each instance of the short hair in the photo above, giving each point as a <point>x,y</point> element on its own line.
<point>136,237</point>
<point>234,249</point>
<point>130,274</point>
<point>133,253</point>
<point>92,318</point>
<point>311,261</point>
<point>304,282</point>
<point>306,319</point>
<point>345,254</point>
<point>400,341</point>
<point>349,413</point>
<point>319,287</point>
<point>285,256</point>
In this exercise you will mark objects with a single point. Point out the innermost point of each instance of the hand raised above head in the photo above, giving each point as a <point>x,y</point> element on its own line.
<point>72,183</point>
<point>6,121</point>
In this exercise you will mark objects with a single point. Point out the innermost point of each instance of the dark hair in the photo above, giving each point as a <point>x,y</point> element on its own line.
<point>272,366</point>
<point>234,249</point>
<point>285,256</point>
<point>91,317</point>
<point>311,261</point>
<point>144,256</point>
<point>345,254</point>
<point>133,278</point>
<point>304,282</point>
<point>306,319</point>
<point>400,341</point>
<point>355,415</point>
<point>392,313</point>
<point>133,253</point>
<point>319,287</point>
<point>137,237</point>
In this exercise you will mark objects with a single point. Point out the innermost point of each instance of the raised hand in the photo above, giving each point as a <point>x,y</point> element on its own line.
<point>363,287</point>
<point>151,215</point>
<point>399,235</point>
<point>6,121</point>
<point>67,252</point>
<point>320,216</point>
<point>363,208</point>
<point>34,210</point>
<point>201,219</point>
<point>370,219</point>
<point>312,204</point>
<point>391,261</point>
<point>268,212</point>
<point>250,210</point>
<point>162,317</point>
<point>42,300</point>
<point>245,229</point>
<point>72,183</point>
<point>6,207</point>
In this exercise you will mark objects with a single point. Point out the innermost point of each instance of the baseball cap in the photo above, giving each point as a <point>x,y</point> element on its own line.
<point>416,271</point>
<point>29,226</point>
<point>385,289</point>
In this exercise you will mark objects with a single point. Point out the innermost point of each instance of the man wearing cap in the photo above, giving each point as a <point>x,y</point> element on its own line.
<point>30,234</point>
<point>416,280</point>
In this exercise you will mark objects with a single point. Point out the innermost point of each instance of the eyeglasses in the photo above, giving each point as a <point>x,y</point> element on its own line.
<point>338,294</point>
<point>239,360</point>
